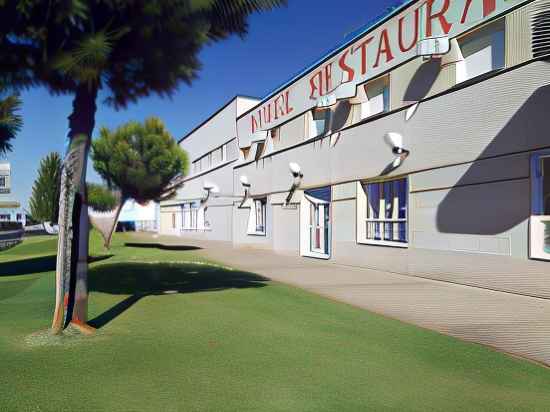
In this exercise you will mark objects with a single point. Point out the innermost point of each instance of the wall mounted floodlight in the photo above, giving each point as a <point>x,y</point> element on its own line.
<point>297,174</point>
<point>209,188</point>
<point>244,181</point>
<point>395,141</point>
<point>246,185</point>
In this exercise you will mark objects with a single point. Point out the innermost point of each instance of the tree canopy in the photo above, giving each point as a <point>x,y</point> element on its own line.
<point>131,48</point>
<point>141,160</point>
<point>44,201</point>
<point>101,198</point>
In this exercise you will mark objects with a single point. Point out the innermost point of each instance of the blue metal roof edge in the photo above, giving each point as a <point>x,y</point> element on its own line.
<point>350,38</point>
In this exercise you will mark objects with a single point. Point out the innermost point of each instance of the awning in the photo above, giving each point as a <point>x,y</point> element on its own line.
<point>321,194</point>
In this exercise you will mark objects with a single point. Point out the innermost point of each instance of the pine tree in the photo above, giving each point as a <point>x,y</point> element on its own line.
<point>140,161</point>
<point>44,202</point>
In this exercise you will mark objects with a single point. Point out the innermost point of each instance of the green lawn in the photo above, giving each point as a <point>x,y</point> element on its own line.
<point>175,335</point>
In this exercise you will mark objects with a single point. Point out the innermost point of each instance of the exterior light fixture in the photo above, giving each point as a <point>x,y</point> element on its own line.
<point>246,185</point>
<point>395,141</point>
<point>297,174</point>
<point>209,188</point>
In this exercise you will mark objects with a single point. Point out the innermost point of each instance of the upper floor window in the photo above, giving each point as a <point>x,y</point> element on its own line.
<point>3,181</point>
<point>275,135</point>
<point>483,51</point>
<point>317,122</point>
<point>377,98</point>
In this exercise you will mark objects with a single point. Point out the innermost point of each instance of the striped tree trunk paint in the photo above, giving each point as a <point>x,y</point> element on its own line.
<point>71,304</point>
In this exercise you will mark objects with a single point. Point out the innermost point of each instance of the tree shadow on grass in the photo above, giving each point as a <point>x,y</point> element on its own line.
<point>140,280</point>
<point>37,265</point>
<point>161,246</point>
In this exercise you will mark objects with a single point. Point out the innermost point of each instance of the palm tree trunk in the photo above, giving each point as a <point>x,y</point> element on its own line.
<point>72,252</point>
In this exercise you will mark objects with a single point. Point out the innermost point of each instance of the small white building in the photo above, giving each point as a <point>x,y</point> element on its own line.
<point>10,208</point>
<point>143,218</point>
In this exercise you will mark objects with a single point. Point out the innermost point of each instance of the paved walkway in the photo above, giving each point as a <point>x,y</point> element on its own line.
<point>512,323</point>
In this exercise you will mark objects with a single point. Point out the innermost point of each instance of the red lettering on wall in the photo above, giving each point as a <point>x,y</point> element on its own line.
<point>489,6</point>
<point>384,47</point>
<point>402,45</point>
<point>254,124</point>
<point>328,78</point>
<point>363,46</point>
<point>267,113</point>
<point>289,109</point>
<point>279,106</point>
<point>316,86</point>
<point>271,112</point>
<point>345,68</point>
<point>445,25</point>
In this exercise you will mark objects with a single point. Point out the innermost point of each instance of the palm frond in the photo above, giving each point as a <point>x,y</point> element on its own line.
<point>10,121</point>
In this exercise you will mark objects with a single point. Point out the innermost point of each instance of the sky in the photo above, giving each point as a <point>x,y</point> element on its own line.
<point>279,44</point>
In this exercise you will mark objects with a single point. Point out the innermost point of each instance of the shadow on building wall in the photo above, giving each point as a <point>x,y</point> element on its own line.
<point>490,209</point>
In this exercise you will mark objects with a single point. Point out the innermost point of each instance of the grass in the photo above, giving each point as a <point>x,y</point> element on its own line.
<point>179,334</point>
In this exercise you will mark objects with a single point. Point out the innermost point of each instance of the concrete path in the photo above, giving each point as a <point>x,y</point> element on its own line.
<point>512,323</point>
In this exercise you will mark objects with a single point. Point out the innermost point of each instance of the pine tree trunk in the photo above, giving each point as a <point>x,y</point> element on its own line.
<point>72,252</point>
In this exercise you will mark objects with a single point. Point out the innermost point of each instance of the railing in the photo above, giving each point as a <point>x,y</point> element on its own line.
<point>390,230</point>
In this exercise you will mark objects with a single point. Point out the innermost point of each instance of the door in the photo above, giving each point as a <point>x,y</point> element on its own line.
<point>319,228</point>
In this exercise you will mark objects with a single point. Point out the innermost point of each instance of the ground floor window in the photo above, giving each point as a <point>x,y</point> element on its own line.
<point>382,213</point>
<point>257,217</point>
<point>315,232</point>
<point>192,216</point>
<point>540,219</point>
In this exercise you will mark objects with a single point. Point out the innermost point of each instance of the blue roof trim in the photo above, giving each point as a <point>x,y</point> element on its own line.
<point>350,38</point>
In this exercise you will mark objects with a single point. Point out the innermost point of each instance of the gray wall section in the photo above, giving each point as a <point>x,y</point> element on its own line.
<point>286,230</point>
<point>518,37</point>
<point>240,225</point>
<point>218,130</point>
<point>292,132</point>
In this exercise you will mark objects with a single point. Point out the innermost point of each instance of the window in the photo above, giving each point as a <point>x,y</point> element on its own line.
<point>539,227</point>
<point>192,216</point>
<point>275,135</point>
<point>224,153</point>
<point>377,100</point>
<point>260,146</point>
<point>483,51</point>
<point>2,181</point>
<point>245,151</point>
<point>18,216</point>
<point>318,122</point>
<point>319,227</point>
<point>382,213</point>
<point>5,217</point>
<point>173,220</point>
<point>257,217</point>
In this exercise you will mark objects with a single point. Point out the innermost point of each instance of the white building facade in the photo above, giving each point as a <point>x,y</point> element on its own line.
<point>10,208</point>
<point>420,147</point>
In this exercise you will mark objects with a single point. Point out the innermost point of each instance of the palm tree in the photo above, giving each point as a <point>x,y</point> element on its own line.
<point>10,121</point>
<point>127,49</point>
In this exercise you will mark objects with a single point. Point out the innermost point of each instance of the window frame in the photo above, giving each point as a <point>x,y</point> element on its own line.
<point>363,219</point>
<point>311,121</point>
<point>385,97</point>
<point>469,36</point>
<point>252,226</point>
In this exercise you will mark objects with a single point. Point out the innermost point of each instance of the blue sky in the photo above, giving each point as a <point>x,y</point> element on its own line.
<point>279,44</point>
